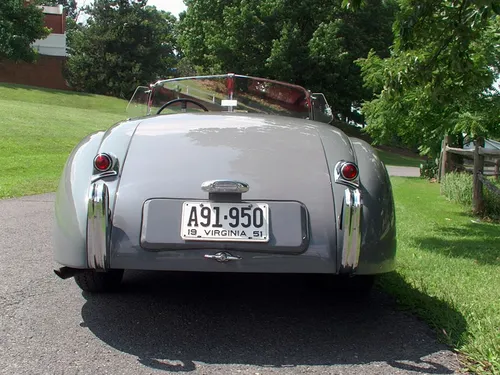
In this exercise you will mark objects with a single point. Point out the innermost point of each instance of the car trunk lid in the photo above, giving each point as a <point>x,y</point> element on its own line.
<point>281,159</point>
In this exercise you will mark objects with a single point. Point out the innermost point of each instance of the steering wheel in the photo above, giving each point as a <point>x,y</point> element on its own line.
<point>184,102</point>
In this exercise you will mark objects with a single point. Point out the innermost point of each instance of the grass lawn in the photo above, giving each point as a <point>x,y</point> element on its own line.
<point>40,127</point>
<point>399,160</point>
<point>448,271</point>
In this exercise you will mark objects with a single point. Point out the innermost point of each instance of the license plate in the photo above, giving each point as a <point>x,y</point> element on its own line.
<point>218,221</point>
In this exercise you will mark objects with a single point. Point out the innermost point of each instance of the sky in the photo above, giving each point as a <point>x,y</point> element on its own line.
<point>173,6</point>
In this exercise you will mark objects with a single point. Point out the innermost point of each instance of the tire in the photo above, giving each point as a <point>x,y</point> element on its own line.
<point>360,286</point>
<point>99,282</point>
<point>353,288</point>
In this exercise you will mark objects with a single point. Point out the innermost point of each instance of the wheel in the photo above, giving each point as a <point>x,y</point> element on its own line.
<point>360,286</point>
<point>356,287</point>
<point>99,282</point>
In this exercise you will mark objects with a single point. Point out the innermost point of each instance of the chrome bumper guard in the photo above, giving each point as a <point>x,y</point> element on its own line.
<point>351,226</point>
<point>98,226</point>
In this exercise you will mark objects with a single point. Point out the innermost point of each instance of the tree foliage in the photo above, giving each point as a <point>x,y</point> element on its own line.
<point>440,76</point>
<point>20,26</point>
<point>312,43</point>
<point>124,43</point>
<point>70,7</point>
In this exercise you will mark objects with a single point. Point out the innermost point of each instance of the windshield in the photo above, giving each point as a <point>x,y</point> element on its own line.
<point>223,93</point>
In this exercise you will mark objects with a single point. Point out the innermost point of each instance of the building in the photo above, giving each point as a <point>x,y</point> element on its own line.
<point>47,71</point>
<point>489,144</point>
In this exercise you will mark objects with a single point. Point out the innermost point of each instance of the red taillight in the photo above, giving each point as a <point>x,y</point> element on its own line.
<point>103,162</point>
<point>349,171</point>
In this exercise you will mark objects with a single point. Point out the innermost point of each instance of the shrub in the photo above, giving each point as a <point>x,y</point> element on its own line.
<point>492,202</point>
<point>457,187</point>
<point>429,169</point>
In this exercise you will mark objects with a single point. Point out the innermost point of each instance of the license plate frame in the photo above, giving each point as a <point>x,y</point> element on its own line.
<point>253,213</point>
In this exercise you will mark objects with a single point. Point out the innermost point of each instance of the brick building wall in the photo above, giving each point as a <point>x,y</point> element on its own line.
<point>56,22</point>
<point>46,72</point>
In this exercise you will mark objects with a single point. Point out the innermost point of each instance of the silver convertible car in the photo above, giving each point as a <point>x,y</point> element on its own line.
<point>224,173</point>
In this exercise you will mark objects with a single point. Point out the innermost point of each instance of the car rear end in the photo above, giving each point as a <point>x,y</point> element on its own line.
<point>235,193</point>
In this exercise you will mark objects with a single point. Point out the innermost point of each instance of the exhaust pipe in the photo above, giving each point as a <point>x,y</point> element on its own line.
<point>67,272</point>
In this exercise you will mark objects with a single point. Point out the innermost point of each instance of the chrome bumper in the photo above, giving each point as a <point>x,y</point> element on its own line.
<point>98,226</point>
<point>351,226</point>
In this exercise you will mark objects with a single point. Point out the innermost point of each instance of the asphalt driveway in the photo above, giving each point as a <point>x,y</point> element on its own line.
<point>170,323</point>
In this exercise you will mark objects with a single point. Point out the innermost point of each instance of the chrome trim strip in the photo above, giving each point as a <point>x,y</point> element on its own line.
<point>222,256</point>
<point>161,82</point>
<point>98,226</point>
<point>225,186</point>
<point>97,177</point>
<point>351,226</point>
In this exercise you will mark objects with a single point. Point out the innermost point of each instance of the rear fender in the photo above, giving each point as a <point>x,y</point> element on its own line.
<point>77,186</point>
<point>71,204</point>
<point>378,219</point>
<point>337,146</point>
<point>364,212</point>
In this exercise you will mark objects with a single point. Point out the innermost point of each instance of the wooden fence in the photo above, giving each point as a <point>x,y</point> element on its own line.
<point>481,157</point>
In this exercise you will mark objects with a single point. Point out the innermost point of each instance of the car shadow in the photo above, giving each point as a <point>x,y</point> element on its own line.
<point>169,321</point>
<point>475,240</point>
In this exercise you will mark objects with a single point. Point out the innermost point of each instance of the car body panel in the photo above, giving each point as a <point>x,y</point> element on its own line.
<point>73,191</point>
<point>337,146</point>
<point>163,162</point>
<point>71,204</point>
<point>378,243</point>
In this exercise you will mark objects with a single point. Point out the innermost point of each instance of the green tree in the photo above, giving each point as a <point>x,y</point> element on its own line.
<point>70,7</point>
<point>311,43</point>
<point>440,76</point>
<point>338,43</point>
<point>20,26</point>
<point>124,43</point>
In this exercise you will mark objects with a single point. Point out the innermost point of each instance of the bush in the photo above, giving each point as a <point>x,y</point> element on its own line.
<point>457,187</point>
<point>429,169</point>
<point>492,202</point>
